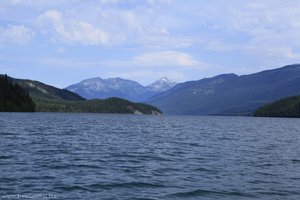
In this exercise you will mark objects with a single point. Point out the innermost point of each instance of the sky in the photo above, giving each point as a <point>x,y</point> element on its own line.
<point>61,42</point>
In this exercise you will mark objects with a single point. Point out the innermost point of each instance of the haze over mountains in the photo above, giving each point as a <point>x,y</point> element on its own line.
<point>230,94</point>
<point>118,87</point>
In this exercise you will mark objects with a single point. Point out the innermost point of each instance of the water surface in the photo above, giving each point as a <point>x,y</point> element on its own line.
<point>103,156</point>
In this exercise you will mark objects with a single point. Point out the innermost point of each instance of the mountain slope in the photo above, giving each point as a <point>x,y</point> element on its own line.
<point>40,90</point>
<point>287,107</point>
<point>104,88</point>
<point>229,94</point>
<point>98,88</point>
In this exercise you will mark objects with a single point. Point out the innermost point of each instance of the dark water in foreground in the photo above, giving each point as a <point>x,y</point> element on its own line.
<point>91,156</point>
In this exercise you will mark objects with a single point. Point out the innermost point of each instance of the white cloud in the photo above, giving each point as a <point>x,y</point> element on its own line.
<point>101,22</point>
<point>153,35</point>
<point>150,60</point>
<point>264,30</point>
<point>16,34</point>
<point>73,31</point>
<point>271,49</point>
<point>167,58</point>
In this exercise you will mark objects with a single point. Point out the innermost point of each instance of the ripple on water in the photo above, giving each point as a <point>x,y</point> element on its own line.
<point>125,185</point>
<point>92,156</point>
<point>210,193</point>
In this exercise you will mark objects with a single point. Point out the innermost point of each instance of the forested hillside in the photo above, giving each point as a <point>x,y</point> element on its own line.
<point>287,107</point>
<point>13,98</point>
<point>110,105</point>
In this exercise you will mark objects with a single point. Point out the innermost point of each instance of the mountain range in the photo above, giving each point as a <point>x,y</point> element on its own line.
<point>98,88</point>
<point>229,94</point>
<point>19,95</point>
<point>225,94</point>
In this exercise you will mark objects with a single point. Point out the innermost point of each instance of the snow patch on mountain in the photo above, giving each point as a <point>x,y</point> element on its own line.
<point>161,85</point>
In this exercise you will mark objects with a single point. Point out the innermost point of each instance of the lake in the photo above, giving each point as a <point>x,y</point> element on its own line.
<point>107,156</point>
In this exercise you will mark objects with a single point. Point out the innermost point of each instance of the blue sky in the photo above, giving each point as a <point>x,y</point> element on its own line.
<point>61,42</point>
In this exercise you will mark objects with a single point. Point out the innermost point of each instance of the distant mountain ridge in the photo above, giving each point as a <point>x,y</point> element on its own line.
<point>98,88</point>
<point>229,94</point>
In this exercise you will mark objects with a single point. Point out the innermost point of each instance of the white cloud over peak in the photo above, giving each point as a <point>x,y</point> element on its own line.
<point>16,34</point>
<point>167,58</point>
<point>73,31</point>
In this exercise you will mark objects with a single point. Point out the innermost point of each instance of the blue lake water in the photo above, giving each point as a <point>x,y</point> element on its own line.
<point>103,156</point>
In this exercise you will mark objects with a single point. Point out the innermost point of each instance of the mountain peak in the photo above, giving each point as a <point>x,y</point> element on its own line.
<point>164,79</point>
<point>161,84</point>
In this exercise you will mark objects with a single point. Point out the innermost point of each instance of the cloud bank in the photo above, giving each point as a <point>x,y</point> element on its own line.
<point>192,38</point>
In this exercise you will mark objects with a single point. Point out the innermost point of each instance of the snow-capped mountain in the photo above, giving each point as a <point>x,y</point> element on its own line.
<point>161,85</point>
<point>117,87</point>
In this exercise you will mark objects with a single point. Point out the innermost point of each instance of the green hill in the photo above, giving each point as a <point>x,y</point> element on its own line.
<point>13,98</point>
<point>51,99</point>
<point>287,107</point>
